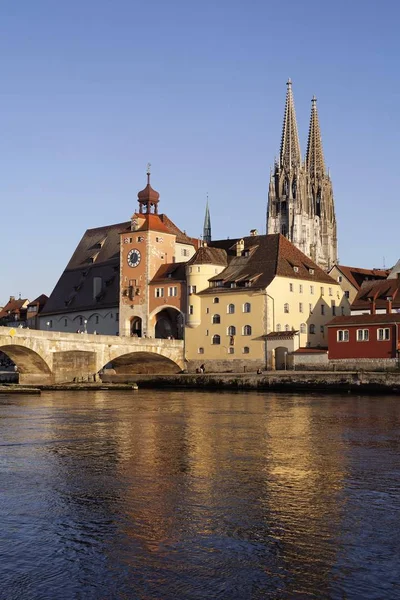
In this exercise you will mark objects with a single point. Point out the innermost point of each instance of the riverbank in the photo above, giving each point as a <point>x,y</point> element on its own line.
<point>358,382</point>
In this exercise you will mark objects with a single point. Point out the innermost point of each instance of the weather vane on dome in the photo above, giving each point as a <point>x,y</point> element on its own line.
<point>148,168</point>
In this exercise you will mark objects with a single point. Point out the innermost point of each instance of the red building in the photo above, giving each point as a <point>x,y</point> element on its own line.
<point>373,336</point>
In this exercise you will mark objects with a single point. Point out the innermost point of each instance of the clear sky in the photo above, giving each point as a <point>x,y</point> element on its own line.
<point>92,90</point>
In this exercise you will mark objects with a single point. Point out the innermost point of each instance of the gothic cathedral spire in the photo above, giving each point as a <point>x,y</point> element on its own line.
<point>300,197</point>
<point>315,157</point>
<point>290,155</point>
<point>207,226</point>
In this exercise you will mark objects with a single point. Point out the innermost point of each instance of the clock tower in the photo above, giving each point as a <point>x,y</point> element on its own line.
<point>144,248</point>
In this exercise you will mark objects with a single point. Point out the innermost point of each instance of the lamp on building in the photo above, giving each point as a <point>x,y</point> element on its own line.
<point>48,325</point>
<point>85,323</point>
<point>285,355</point>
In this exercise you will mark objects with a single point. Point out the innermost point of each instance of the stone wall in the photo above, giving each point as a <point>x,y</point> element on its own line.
<point>226,366</point>
<point>364,364</point>
<point>309,362</point>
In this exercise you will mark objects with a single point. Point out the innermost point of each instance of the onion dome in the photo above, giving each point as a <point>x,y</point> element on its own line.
<point>148,197</point>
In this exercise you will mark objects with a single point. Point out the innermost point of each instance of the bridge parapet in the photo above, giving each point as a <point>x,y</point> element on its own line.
<point>56,356</point>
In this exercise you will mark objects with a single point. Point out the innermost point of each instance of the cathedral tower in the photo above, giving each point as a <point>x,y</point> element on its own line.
<point>300,197</point>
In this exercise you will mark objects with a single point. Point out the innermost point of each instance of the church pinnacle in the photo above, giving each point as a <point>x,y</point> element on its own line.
<point>315,157</point>
<point>290,155</point>
<point>207,225</point>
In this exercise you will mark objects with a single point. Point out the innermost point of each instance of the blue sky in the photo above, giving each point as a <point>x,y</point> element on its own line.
<point>93,90</point>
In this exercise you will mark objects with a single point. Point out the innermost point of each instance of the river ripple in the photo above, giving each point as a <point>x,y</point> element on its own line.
<point>174,495</point>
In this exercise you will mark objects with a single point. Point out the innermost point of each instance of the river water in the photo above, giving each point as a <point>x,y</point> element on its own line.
<point>187,495</point>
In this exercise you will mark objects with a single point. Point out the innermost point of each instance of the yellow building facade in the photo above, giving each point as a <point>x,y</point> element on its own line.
<point>268,301</point>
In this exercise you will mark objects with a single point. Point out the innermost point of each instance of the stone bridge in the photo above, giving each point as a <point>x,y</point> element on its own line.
<point>44,357</point>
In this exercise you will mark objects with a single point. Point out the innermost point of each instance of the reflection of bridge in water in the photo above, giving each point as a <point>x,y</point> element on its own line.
<point>44,357</point>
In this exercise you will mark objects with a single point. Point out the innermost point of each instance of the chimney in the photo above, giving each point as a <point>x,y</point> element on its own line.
<point>12,298</point>
<point>389,304</point>
<point>372,306</point>
<point>239,247</point>
<point>253,232</point>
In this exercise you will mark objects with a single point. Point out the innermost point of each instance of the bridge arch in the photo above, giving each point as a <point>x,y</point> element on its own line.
<point>29,363</point>
<point>167,322</point>
<point>144,362</point>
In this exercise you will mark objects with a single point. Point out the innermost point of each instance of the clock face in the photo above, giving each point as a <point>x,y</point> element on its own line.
<point>133,257</point>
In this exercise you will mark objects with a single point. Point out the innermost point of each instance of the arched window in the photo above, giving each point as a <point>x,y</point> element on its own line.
<point>247,330</point>
<point>312,328</point>
<point>231,330</point>
<point>246,307</point>
<point>286,307</point>
<point>287,328</point>
<point>231,309</point>
<point>246,350</point>
<point>216,319</point>
<point>216,339</point>
<point>303,328</point>
<point>278,327</point>
<point>216,300</point>
<point>201,350</point>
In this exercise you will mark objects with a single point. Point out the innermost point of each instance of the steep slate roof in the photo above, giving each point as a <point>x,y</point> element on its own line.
<point>365,320</point>
<point>357,276</point>
<point>263,258</point>
<point>377,291</point>
<point>97,255</point>
<point>206,255</point>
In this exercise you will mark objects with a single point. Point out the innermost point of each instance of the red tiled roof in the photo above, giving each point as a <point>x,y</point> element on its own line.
<point>365,319</point>
<point>13,306</point>
<point>357,276</point>
<point>379,291</point>
<point>263,258</point>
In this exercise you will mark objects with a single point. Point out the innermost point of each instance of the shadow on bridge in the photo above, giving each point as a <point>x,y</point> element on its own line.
<point>30,365</point>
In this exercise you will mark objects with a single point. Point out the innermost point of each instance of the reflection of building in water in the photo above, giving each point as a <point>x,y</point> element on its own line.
<point>304,484</point>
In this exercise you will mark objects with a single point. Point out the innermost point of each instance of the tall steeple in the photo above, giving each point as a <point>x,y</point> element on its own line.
<point>300,196</point>
<point>290,155</point>
<point>207,225</point>
<point>315,157</point>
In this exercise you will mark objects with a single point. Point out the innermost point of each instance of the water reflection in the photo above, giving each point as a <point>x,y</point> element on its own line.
<point>197,495</point>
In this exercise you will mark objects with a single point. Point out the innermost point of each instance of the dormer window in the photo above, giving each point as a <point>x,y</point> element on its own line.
<point>311,271</point>
<point>296,269</point>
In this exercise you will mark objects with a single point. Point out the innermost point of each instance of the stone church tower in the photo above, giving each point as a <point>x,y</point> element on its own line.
<point>300,197</point>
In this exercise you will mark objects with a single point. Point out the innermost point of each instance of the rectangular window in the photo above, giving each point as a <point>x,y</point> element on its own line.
<point>300,288</point>
<point>342,310</point>
<point>330,291</point>
<point>333,308</point>
<point>231,350</point>
<point>322,309</point>
<point>322,291</point>
<point>343,335</point>
<point>383,334</point>
<point>159,292</point>
<point>300,307</point>
<point>311,289</point>
<point>310,309</point>
<point>290,287</point>
<point>198,269</point>
<point>207,311</point>
<point>172,291</point>
<point>184,252</point>
<point>340,279</point>
<point>321,329</point>
<point>191,309</point>
<point>362,335</point>
<point>65,322</point>
<point>347,294</point>
<point>206,331</point>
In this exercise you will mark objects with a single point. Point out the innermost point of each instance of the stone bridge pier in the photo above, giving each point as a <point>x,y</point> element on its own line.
<point>44,357</point>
